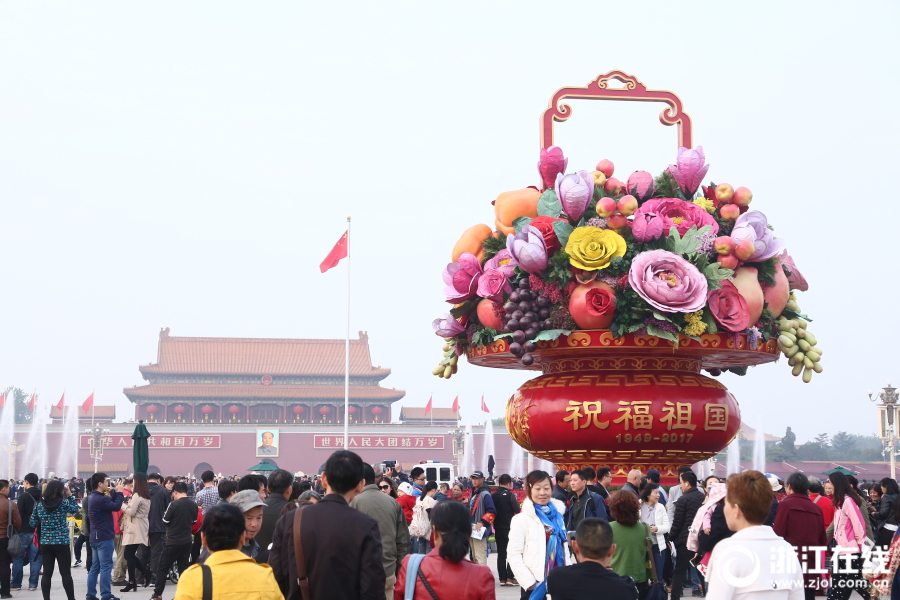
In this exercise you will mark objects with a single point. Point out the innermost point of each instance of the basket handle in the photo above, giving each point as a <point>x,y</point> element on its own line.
<point>634,90</point>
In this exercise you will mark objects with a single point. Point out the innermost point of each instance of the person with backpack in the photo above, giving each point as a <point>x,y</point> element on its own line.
<point>51,517</point>
<point>582,502</point>
<point>227,572</point>
<point>420,527</point>
<point>9,515</point>
<point>445,572</point>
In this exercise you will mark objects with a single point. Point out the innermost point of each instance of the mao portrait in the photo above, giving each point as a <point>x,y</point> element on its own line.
<point>266,442</point>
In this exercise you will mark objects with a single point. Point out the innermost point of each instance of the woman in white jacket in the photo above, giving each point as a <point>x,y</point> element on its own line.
<point>654,515</point>
<point>537,537</point>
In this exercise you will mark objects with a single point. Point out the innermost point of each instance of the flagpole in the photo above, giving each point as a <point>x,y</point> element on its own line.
<point>347,351</point>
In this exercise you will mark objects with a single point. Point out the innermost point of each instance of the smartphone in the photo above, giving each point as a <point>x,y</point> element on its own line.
<point>696,561</point>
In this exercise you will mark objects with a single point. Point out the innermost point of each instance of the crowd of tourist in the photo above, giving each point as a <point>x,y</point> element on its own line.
<point>369,531</point>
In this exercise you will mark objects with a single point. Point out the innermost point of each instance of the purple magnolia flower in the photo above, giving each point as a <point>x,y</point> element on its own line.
<point>641,185</point>
<point>552,163</point>
<point>462,278</point>
<point>796,280</point>
<point>689,170</point>
<point>575,192</point>
<point>754,226</point>
<point>528,250</point>
<point>448,326</point>
<point>647,226</point>
<point>668,282</point>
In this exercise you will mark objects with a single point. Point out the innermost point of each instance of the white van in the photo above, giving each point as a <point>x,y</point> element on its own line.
<point>438,471</point>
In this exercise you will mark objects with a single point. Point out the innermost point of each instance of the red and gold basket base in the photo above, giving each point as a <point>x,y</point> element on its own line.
<point>625,402</point>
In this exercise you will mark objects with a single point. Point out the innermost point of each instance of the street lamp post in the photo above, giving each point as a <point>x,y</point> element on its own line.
<point>888,397</point>
<point>96,443</point>
<point>459,444</point>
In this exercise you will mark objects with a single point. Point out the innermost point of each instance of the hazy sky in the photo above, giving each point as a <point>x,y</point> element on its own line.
<point>188,165</point>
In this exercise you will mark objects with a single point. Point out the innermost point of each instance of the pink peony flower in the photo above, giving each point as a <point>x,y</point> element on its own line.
<point>493,283</point>
<point>754,226</point>
<point>448,326</point>
<point>575,192</point>
<point>677,213</point>
<point>502,261</point>
<point>647,226</point>
<point>689,170</point>
<point>462,278</point>
<point>668,282</point>
<point>641,185</point>
<point>552,163</point>
<point>796,280</point>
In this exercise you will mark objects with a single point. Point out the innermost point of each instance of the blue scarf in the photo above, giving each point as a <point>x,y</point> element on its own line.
<point>556,549</point>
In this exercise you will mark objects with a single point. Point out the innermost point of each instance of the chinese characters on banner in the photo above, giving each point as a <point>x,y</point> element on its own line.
<point>397,442</point>
<point>636,415</point>
<point>162,442</point>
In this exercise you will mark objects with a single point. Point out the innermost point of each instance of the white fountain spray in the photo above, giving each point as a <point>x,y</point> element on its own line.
<point>759,447</point>
<point>67,463</point>
<point>7,430</point>
<point>467,462</point>
<point>734,455</point>
<point>516,468</point>
<point>487,445</point>
<point>545,465</point>
<point>36,445</point>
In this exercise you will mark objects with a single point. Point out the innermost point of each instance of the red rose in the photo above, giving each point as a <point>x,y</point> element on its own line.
<point>729,308</point>
<point>545,226</point>
<point>600,302</point>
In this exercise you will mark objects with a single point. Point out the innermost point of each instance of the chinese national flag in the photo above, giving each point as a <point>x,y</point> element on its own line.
<point>88,403</point>
<point>2,398</point>
<point>62,401</point>
<point>456,404</point>
<point>31,404</point>
<point>484,407</point>
<point>428,406</point>
<point>337,253</point>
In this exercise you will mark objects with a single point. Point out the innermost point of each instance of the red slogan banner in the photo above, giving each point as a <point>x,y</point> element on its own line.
<point>399,442</point>
<point>160,442</point>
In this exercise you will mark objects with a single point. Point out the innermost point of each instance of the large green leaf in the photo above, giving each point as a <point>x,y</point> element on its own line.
<point>563,230</point>
<point>463,309</point>
<point>662,333</point>
<point>687,244</point>
<point>548,204</point>
<point>521,222</point>
<point>550,334</point>
<point>715,273</point>
<point>711,326</point>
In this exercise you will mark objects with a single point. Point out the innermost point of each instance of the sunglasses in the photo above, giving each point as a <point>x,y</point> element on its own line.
<point>384,487</point>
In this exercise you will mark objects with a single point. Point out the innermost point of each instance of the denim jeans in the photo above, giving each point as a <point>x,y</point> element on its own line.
<point>101,567</point>
<point>34,559</point>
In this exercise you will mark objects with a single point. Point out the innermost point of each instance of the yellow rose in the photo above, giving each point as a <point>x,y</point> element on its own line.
<point>592,248</point>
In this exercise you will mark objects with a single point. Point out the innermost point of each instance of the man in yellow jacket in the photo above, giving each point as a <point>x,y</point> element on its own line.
<point>234,574</point>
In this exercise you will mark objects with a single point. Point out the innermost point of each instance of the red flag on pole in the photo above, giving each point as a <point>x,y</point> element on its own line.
<point>31,404</point>
<point>88,403</point>
<point>483,405</point>
<point>456,404</point>
<point>2,399</point>
<point>428,406</point>
<point>62,402</point>
<point>337,253</point>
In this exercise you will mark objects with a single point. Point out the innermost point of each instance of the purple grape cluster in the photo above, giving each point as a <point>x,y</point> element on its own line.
<point>527,313</point>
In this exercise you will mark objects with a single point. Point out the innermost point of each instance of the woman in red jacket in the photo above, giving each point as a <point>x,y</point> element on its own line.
<point>446,569</point>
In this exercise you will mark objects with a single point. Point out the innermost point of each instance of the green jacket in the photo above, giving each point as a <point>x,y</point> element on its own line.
<point>631,555</point>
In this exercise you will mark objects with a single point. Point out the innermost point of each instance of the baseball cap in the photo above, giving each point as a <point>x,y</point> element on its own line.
<point>653,475</point>
<point>405,488</point>
<point>246,499</point>
<point>773,481</point>
<point>477,475</point>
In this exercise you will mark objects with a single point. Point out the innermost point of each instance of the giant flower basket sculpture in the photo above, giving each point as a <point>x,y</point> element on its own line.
<point>622,294</point>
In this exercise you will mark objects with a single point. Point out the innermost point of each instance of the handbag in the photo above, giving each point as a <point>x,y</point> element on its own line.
<point>14,547</point>
<point>413,569</point>
<point>657,589</point>
<point>302,579</point>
